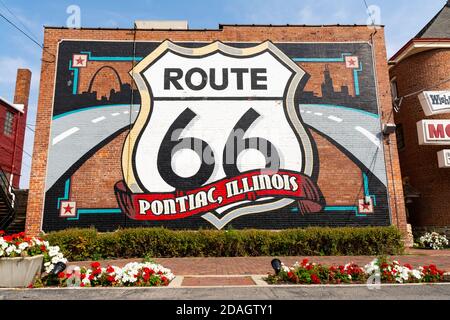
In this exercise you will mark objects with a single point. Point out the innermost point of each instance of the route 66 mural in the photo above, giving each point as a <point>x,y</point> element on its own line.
<point>215,135</point>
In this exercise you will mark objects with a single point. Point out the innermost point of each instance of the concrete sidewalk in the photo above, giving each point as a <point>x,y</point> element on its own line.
<point>248,271</point>
<point>287,292</point>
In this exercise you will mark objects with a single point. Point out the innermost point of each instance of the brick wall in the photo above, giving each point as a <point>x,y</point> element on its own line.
<point>419,163</point>
<point>330,179</point>
<point>11,147</point>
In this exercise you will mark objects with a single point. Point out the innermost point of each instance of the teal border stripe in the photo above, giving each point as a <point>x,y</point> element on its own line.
<point>75,78</point>
<point>344,208</point>
<point>351,208</point>
<point>93,58</point>
<point>89,108</point>
<point>66,193</point>
<point>366,189</point>
<point>356,79</point>
<point>341,59</point>
<point>374,115</point>
<point>95,211</point>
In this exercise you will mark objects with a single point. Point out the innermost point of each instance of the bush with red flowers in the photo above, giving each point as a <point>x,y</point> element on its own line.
<point>132,274</point>
<point>313,273</point>
<point>20,245</point>
<point>388,272</point>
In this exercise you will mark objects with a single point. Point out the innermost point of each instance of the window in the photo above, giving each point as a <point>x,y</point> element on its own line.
<point>8,126</point>
<point>394,89</point>
<point>400,137</point>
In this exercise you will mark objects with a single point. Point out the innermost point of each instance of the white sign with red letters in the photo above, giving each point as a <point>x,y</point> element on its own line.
<point>433,132</point>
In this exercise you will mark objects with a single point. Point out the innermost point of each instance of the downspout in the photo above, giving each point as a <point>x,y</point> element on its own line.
<point>10,189</point>
<point>388,138</point>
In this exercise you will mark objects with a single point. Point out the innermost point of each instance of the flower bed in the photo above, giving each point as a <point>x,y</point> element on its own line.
<point>19,245</point>
<point>132,274</point>
<point>386,272</point>
<point>433,240</point>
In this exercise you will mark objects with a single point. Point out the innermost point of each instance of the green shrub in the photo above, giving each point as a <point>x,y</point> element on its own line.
<point>88,244</point>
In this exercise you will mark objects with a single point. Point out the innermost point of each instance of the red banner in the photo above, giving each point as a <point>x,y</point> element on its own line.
<point>248,186</point>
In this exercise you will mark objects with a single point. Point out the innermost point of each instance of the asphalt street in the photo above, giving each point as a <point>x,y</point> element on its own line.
<point>292,292</point>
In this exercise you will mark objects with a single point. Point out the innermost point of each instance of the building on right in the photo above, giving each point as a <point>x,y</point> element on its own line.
<point>420,85</point>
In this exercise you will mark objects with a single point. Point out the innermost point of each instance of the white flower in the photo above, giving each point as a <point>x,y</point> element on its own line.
<point>10,249</point>
<point>416,274</point>
<point>433,240</point>
<point>372,267</point>
<point>285,269</point>
<point>23,245</point>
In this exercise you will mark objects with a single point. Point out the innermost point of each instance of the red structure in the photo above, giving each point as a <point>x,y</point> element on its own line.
<point>13,118</point>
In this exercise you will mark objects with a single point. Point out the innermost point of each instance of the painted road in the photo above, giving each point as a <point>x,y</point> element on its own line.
<point>356,131</point>
<point>74,134</point>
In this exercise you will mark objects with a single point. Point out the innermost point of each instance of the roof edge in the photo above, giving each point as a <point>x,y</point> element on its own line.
<point>220,28</point>
<point>15,106</point>
<point>413,41</point>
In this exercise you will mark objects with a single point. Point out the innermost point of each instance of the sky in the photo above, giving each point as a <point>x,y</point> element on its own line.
<point>403,19</point>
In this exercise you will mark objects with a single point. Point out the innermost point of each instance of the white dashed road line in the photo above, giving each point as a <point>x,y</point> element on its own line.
<point>64,135</point>
<point>318,113</point>
<point>126,112</point>
<point>369,136</point>
<point>115,114</point>
<point>337,119</point>
<point>98,119</point>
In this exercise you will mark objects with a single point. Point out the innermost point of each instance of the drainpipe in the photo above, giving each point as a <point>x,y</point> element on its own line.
<point>11,176</point>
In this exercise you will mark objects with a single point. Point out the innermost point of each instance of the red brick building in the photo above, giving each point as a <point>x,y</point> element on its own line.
<point>116,105</point>
<point>422,68</point>
<point>13,118</point>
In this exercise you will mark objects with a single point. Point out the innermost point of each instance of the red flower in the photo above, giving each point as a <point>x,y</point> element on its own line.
<point>151,271</point>
<point>315,279</point>
<point>111,279</point>
<point>110,269</point>
<point>43,248</point>
<point>333,268</point>
<point>304,261</point>
<point>82,284</point>
<point>30,286</point>
<point>61,275</point>
<point>146,270</point>
<point>95,265</point>
<point>2,232</point>
<point>290,274</point>
<point>407,265</point>
<point>146,276</point>
<point>91,277</point>
<point>96,271</point>
<point>82,276</point>
<point>165,280</point>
